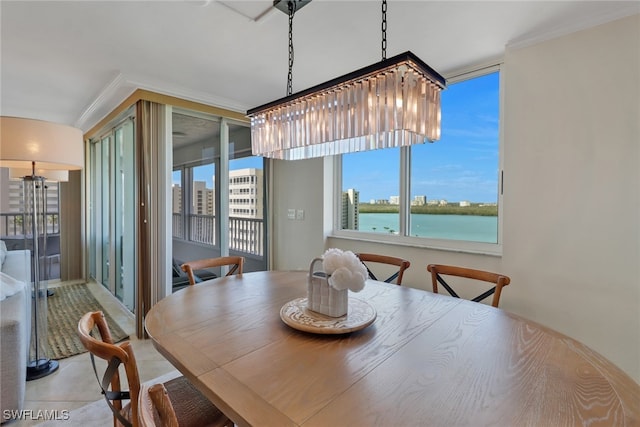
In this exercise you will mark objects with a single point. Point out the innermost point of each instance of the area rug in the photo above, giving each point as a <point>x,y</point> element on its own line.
<point>64,309</point>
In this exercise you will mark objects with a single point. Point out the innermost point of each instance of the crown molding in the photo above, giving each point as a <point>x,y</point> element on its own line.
<point>189,95</point>
<point>122,86</point>
<point>632,8</point>
<point>104,97</point>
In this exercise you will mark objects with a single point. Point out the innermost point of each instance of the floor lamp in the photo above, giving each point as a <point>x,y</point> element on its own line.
<point>42,148</point>
<point>38,193</point>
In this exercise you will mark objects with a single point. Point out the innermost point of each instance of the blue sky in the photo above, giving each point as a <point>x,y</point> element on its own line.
<point>462,165</point>
<point>246,162</point>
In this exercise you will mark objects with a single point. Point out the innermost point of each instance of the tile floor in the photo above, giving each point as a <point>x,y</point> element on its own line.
<point>74,384</point>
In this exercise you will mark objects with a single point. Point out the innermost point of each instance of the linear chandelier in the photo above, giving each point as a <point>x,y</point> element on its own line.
<point>392,103</point>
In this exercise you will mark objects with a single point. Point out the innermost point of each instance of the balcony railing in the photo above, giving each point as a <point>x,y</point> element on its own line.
<point>202,229</point>
<point>19,224</point>
<point>246,235</point>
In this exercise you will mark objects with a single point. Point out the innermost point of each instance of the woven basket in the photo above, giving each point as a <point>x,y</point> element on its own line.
<point>323,298</point>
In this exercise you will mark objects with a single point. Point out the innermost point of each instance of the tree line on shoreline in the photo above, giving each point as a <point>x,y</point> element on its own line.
<point>476,209</point>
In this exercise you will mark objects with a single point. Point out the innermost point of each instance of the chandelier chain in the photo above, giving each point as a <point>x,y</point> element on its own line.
<point>384,29</point>
<point>292,11</point>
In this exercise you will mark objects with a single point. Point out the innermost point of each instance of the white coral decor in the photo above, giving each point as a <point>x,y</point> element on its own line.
<point>344,269</point>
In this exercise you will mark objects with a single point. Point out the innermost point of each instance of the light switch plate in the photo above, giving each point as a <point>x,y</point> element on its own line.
<point>291,214</point>
<point>300,214</point>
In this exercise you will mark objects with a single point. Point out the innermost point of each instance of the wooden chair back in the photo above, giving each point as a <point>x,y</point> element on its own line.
<point>178,403</point>
<point>235,263</point>
<point>499,280</point>
<point>156,408</point>
<point>149,406</point>
<point>114,354</point>
<point>402,265</point>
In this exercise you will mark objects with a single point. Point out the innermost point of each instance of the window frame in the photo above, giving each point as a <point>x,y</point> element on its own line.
<point>402,238</point>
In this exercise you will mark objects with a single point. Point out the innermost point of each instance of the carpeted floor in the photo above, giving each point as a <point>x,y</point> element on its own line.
<point>64,309</point>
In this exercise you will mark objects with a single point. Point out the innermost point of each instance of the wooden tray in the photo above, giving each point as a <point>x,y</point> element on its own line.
<point>296,315</point>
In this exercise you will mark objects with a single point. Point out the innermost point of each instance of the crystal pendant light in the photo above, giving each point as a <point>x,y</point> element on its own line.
<point>393,103</point>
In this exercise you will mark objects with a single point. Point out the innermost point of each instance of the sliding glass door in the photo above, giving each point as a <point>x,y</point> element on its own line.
<point>99,210</point>
<point>123,220</point>
<point>112,211</point>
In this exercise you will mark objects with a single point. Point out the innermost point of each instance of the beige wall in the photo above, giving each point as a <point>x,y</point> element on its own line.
<point>572,205</point>
<point>297,185</point>
<point>571,196</point>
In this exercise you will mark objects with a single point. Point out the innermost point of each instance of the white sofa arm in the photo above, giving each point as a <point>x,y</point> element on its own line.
<point>15,330</point>
<point>17,264</point>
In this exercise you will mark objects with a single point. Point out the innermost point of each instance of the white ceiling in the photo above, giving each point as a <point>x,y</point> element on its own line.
<point>72,62</point>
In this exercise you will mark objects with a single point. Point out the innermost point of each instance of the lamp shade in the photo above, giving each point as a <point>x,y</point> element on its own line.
<point>48,174</point>
<point>49,145</point>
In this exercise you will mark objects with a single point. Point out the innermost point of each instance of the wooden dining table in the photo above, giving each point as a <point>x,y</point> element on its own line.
<point>425,359</point>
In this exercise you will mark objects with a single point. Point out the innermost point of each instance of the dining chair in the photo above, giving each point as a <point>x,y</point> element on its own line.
<point>236,264</point>
<point>156,408</point>
<point>402,265</point>
<point>188,405</point>
<point>499,280</point>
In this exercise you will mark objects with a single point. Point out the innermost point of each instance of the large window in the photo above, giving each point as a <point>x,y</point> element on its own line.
<point>217,191</point>
<point>447,191</point>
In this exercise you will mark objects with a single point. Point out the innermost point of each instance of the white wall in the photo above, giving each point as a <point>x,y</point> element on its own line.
<point>571,199</point>
<point>572,187</point>
<point>297,185</point>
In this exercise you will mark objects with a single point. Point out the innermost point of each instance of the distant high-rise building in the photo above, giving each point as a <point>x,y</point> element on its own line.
<point>176,210</point>
<point>246,193</point>
<point>419,201</point>
<point>350,202</point>
<point>246,204</point>
<point>201,224</point>
<point>12,201</point>
<point>394,200</point>
<point>176,192</point>
<point>203,199</point>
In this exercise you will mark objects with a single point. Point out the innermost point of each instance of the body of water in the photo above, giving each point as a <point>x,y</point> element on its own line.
<point>455,227</point>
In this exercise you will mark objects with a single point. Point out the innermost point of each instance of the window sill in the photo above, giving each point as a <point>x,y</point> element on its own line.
<point>489,249</point>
